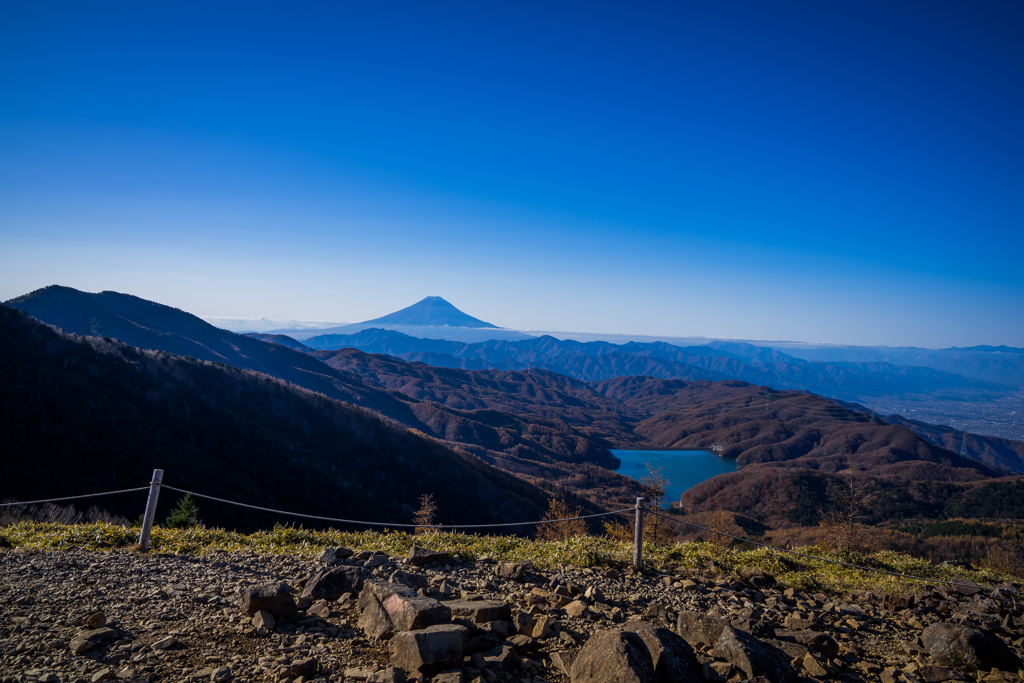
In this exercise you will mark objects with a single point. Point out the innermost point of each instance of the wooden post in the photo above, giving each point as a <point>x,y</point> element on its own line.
<point>147,522</point>
<point>638,535</point>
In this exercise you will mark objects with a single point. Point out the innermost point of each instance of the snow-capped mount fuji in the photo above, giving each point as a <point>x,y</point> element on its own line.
<point>429,318</point>
<point>432,311</point>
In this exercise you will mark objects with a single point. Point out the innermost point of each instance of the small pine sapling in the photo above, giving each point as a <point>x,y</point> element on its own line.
<point>184,515</point>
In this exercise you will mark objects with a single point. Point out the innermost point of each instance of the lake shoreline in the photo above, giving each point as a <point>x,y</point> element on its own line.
<point>683,468</point>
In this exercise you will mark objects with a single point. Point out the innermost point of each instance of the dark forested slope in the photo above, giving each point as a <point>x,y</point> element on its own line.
<point>532,414</point>
<point>87,414</point>
<point>145,324</point>
<point>148,325</point>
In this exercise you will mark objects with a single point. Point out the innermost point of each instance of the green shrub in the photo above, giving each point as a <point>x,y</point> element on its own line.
<point>185,514</point>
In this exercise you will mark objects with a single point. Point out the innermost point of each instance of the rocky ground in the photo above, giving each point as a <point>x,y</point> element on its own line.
<point>79,616</point>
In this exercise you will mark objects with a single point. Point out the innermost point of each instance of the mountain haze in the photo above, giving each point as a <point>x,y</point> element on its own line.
<point>1003,364</point>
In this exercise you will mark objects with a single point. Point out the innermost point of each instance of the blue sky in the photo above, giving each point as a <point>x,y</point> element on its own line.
<point>849,173</point>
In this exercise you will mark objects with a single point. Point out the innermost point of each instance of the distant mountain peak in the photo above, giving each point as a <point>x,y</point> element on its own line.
<point>431,311</point>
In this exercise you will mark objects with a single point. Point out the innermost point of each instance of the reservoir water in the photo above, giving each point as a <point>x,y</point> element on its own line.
<point>683,469</point>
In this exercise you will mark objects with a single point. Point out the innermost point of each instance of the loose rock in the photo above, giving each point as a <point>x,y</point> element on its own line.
<point>753,657</point>
<point>331,584</point>
<point>956,645</point>
<point>672,658</point>
<point>418,557</point>
<point>431,648</point>
<point>613,656</point>
<point>263,619</point>
<point>274,598</point>
<point>512,570</point>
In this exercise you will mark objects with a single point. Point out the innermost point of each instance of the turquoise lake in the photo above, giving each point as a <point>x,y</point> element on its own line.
<point>684,469</point>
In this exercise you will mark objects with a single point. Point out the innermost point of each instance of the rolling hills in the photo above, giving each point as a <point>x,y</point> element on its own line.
<point>795,446</point>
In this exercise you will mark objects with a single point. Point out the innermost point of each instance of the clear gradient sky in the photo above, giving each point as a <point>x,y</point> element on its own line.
<point>819,171</point>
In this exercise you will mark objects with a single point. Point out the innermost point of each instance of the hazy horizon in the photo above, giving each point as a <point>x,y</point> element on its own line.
<point>264,325</point>
<point>846,174</point>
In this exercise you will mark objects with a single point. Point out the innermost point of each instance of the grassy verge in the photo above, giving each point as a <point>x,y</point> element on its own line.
<point>581,551</point>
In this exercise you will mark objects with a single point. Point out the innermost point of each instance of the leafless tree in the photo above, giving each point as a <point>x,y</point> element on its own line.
<point>844,533</point>
<point>426,515</point>
<point>559,508</point>
<point>654,485</point>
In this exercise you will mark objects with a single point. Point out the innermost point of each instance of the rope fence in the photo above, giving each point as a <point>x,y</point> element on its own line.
<point>639,511</point>
<point>390,525</point>
<point>87,495</point>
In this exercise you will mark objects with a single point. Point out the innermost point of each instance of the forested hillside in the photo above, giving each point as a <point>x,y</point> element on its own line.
<point>87,414</point>
<point>795,446</point>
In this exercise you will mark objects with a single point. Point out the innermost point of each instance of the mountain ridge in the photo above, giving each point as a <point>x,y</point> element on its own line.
<point>598,361</point>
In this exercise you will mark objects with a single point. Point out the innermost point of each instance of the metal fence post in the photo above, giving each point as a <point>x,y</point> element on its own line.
<point>638,535</point>
<point>147,522</point>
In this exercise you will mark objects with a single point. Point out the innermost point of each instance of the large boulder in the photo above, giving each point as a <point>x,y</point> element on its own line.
<point>420,556</point>
<point>406,609</point>
<point>429,649</point>
<point>331,584</point>
<point>753,657</point>
<point>956,645</point>
<point>613,656</point>
<point>479,611</point>
<point>698,628</point>
<point>672,658</point>
<point>86,640</point>
<point>275,598</point>
<point>373,618</point>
